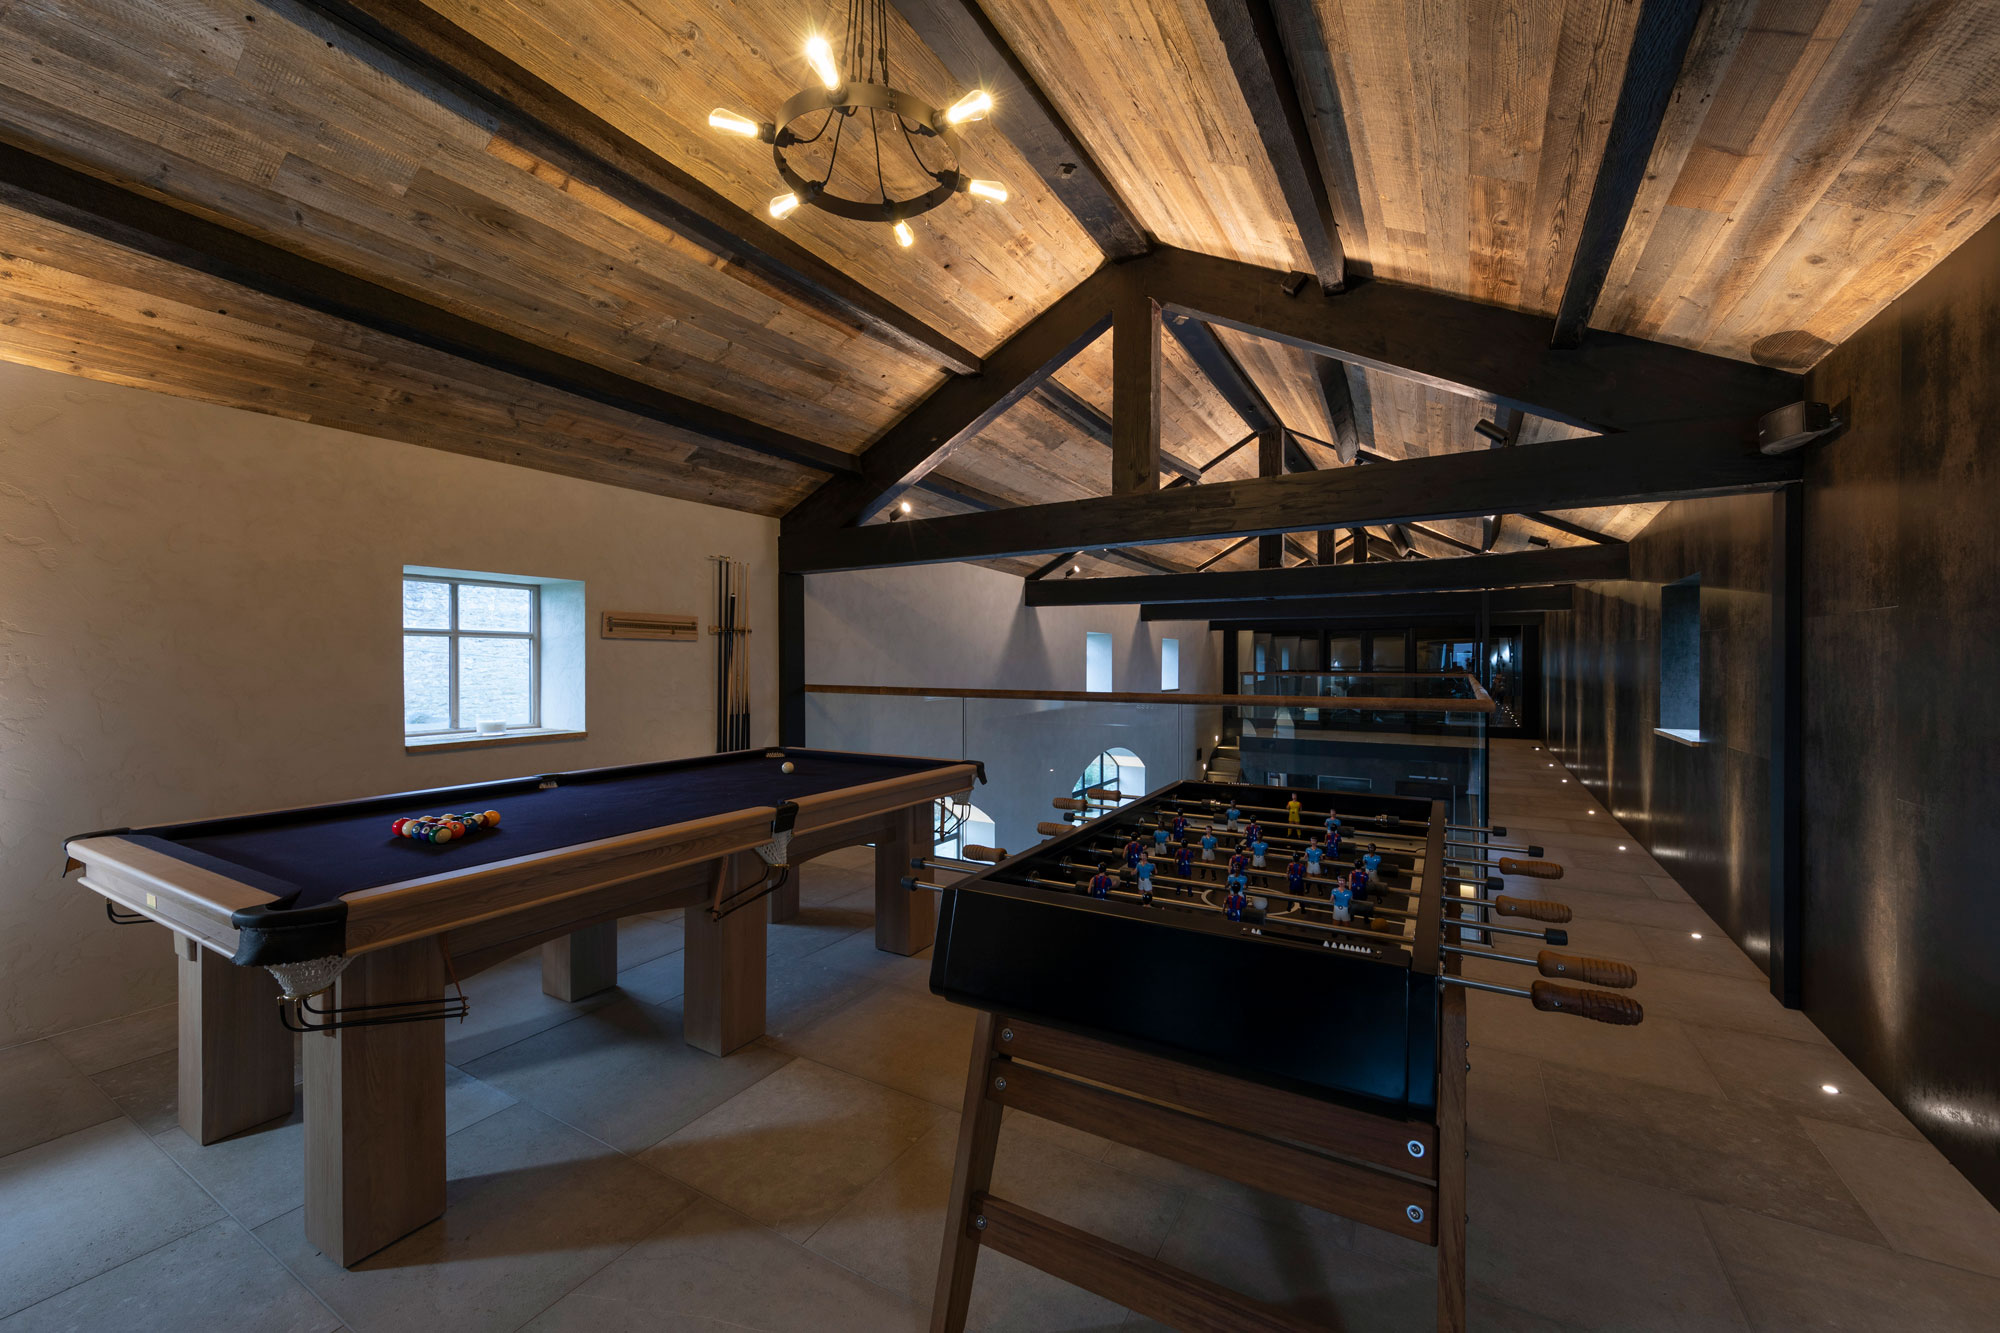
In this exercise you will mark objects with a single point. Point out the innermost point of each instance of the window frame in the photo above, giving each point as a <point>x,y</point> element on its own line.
<point>1170,648</point>
<point>452,634</point>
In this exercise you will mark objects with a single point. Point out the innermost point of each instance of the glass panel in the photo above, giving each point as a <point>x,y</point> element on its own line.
<point>426,605</point>
<point>482,607</point>
<point>1388,652</point>
<point>1344,654</point>
<point>426,682</point>
<point>496,681</point>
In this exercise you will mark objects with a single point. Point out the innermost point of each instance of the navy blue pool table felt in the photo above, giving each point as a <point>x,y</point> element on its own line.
<point>315,855</point>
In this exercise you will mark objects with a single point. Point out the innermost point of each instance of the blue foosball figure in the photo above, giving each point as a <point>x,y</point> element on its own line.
<point>1160,837</point>
<point>1100,883</point>
<point>1313,858</point>
<point>1343,903</point>
<point>1372,862</point>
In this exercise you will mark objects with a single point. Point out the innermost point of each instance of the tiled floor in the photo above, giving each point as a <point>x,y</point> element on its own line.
<point>1687,1174</point>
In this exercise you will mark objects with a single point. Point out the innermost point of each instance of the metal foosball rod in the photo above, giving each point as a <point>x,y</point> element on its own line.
<point>1534,909</point>
<point>1376,938</point>
<point>1553,998</point>
<point>1177,882</point>
<point>1265,873</point>
<point>1594,971</point>
<point>1530,867</point>
<point>1380,829</point>
<point>976,859</point>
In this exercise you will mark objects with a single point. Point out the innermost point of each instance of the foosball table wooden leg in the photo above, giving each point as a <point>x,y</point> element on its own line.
<point>1451,1198</point>
<point>971,1176</point>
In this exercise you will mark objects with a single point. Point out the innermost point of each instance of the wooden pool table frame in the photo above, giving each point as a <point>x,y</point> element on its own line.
<point>374,1096</point>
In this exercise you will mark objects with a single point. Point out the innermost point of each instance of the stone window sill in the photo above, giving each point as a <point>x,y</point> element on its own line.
<point>459,740</point>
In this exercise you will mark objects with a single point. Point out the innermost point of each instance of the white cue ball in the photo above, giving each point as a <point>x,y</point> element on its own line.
<point>785,767</point>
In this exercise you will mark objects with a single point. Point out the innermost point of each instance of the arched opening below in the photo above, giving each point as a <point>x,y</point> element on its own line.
<point>1116,770</point>
<point>960,822</point>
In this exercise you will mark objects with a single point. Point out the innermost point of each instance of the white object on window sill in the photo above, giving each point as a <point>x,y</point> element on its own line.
<point>1683,736</point>
<point>461,740</point>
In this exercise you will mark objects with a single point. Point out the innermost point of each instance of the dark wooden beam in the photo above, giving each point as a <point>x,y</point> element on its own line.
<point>1053,565</point>
<point>1425,530</point>
<point>1271,463</point>
<point>1255,46</point>
<point>1224,372</point>
<point>1571,564</point>
<point>1787,742</point>
<point>72,198</point>
<point>417,39</point>
<point>1388,609</point>
<point>1652,68</point>
<point>1350,432</point>
<point>1503,430</point>
<point>961,408</point>
<point>984,502</point>
<point>1224,553</point>
<point>1135,394</point>
<point>972,49</point>
<point>1564,525</point>
<point>1660,463</point>
<point>1614,383</point>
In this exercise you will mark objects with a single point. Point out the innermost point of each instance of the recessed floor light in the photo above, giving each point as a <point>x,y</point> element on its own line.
<point>1621,846</point>
<point>1565,779</point>
<point>1829,1089</point>
<point>1695,935</point>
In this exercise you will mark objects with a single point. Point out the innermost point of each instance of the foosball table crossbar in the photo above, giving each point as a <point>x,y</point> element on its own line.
<point>1382,1170</point>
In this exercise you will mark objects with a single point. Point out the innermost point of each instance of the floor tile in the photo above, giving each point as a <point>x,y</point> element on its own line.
<point>1923,1206</point>
<point>623,1073</point>
<point>257,1175</point>
<point>858,954</point>
<point>43,1097</point>
<point>120,1041</point>
<point>713,1269</point>
<point>1658,1051</point>
<point>1791,1075</point>
<point>508,1006</point>
<point>82,1204</point>
<point>468,1100</point>
<point>1592,1250</point>
<point>792,1148</point>
<point>1667,887</point>
<point>1714,952</point>
<point>641,939</point>
<point>1506,1103</point>
<point>1791,1277</point>
<point>148,1090</point>
<point>215,1278</point>
<point>913,1043</point>
<point>1746,1156</point>
<point>1741,1004</point>
<point>821,924</point>
<point>534,1208</point>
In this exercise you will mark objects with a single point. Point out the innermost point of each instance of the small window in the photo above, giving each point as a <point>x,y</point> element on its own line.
<point>1170,664</point>
<point>1096,662</point>
<point>1680,660</point>
<point>471,655</point>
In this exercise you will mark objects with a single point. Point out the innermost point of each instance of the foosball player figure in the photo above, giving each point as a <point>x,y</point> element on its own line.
<point>1239,863</point>
<point>1160,837</point>
<point>1253,830</point>
<point>1258,848</point>
<point>1133,851</point>
<point>1234,815</point>
<point>1184,861</point>
<point>1295,875</point>
<point>1343,904</point>
<point>1100,883</point>
<point>1208,845</point>
<point>1236,901</point>
<point>1314,855</point>
<point>1357,882</point>
<point>1145,872</point>
<point>1180,828</point>
<point>1292,811</point>
<point>1372,862</point>
<point>1146,891</point>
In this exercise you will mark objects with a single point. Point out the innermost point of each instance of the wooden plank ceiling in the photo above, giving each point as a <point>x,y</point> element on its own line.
<point>1817,157</point>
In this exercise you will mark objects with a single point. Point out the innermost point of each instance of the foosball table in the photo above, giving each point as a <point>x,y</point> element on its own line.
<point>1304,1034</point>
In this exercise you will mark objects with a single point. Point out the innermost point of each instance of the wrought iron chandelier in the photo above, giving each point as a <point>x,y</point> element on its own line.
<point>848,89</point>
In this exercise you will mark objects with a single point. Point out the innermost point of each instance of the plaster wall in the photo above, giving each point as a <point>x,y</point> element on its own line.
<point>199,615</point>
<point>965,626</point>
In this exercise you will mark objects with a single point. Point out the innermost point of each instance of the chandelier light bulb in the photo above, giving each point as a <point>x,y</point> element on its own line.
<point>993,190</point>
<point>729,122</point>
<point>820,56</point>
<point>784,205</point>
<point>973,106</point>
<point>904,236</point>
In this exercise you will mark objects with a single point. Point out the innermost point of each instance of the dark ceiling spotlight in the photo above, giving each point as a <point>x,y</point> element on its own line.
<point>1538,541</point>
<point>1491,432</point>
<point>1794,426</point>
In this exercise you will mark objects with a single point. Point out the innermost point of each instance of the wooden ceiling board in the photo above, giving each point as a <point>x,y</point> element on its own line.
<point>1475,129</point>
<point>978,270</point>
<point>265,127</point>
<point>1147,86</point>
<point>1820,156</point>
<point>75,304</point>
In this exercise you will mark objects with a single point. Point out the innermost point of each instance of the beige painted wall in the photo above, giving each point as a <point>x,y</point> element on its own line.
<point>199,614</point>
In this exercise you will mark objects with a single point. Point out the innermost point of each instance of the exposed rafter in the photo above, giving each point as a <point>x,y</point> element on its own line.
<point>1256,49</point>
<point>1652,68</point>
<point>1573,564</point>
<point>1564,525</point>
<point>961,35</point>
<point>1389,608</point>
<point>1095,426</point>
<point>1659,463</point>
<point>1504,429</point>
<point>1135,393</point>
<point>1224,372</point>
<point>415,40</point>
<point>1352,430</point>
<point>138,222</point>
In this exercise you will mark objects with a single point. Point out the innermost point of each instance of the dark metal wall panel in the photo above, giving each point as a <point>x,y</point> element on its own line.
<point>1703,812</point>
<point>1902,630</point>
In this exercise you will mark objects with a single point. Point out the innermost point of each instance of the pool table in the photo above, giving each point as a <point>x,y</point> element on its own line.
<point>331,889</point>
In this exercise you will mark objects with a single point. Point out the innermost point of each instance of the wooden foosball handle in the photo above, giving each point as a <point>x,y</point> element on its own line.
<point>1104,793</point>
<point>995,855</point>
<point>1532,869</point>
<point>1051,829</point>
<point>1595,971</point>
<point>1535,909</point>
<point>1600,1006</point>
<point>1069,803</point>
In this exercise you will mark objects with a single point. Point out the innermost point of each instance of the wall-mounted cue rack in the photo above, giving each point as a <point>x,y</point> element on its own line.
<point>732,654</point>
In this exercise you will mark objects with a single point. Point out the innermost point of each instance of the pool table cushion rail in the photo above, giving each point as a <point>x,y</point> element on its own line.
<point>236,909</point>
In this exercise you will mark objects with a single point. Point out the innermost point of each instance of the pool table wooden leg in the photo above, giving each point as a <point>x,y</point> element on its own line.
<point>581,963</point>
<point>724,1000</point>
<point>235,1056</point>
<point>905,919</point>
<point>785,901</point>
<point>375,1111</point>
